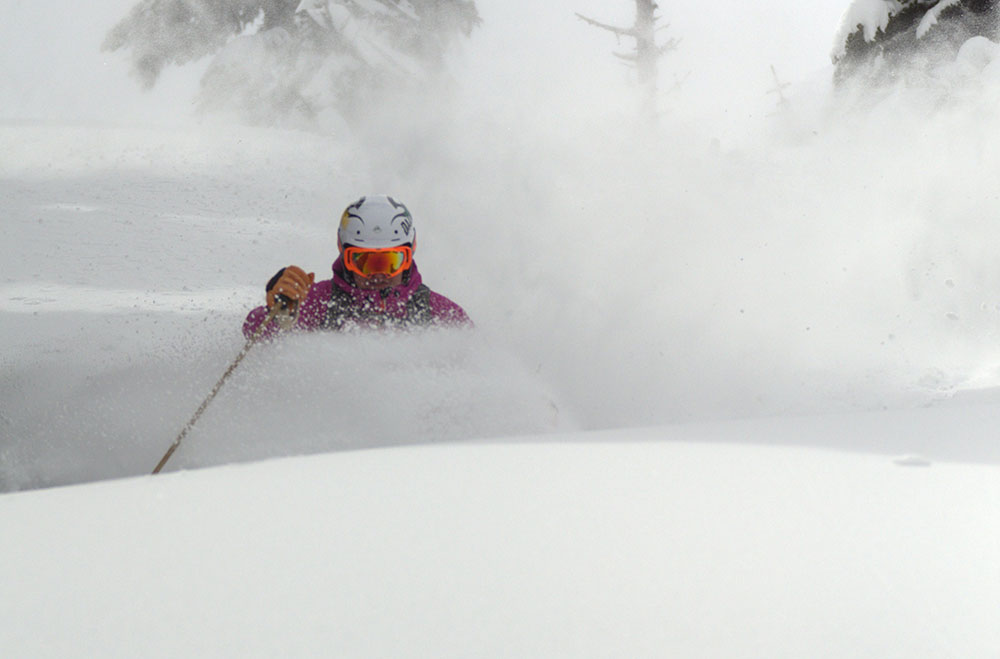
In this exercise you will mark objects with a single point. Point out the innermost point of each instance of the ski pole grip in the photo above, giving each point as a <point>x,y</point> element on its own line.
<point>285,311</point>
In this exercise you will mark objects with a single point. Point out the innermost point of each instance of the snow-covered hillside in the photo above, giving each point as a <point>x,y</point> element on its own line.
<point>733,387</point>
<point>628,544</point>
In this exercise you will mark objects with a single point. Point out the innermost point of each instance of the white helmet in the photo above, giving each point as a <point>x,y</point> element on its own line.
<point>376,221</point>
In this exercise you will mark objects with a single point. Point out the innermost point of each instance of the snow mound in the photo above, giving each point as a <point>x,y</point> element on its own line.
<point>618,544</point>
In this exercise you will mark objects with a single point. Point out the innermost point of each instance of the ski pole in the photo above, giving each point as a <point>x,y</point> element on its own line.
<point>278,308</point>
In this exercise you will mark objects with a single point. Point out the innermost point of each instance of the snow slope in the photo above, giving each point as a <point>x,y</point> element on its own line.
<point>573,478</point>
<point>621,543</point>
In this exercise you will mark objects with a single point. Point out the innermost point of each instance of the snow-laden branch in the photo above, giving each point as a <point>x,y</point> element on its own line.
<point>872,16</point>
<point>930,19</point>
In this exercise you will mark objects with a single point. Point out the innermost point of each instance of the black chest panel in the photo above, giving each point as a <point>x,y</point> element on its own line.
<point>343,311</point>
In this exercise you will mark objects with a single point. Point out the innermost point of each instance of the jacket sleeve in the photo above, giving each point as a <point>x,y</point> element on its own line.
<point>447,312</point>
<point>312,313</point>
<point>254,320</point>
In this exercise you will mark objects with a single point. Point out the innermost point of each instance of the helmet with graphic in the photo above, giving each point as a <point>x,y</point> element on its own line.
<point>377,236</point>
<point>376,221</point>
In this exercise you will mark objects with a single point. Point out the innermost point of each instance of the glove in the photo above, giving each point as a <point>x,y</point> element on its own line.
<point>290,285</point>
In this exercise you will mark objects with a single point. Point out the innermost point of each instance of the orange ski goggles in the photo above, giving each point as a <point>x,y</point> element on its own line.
<point>388,261</point>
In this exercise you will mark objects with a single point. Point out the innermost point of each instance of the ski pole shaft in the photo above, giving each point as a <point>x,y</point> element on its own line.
<point>218,385</point>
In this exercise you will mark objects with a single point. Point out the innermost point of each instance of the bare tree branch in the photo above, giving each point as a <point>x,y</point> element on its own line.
<point>620,31</point>
<point>669,45</point>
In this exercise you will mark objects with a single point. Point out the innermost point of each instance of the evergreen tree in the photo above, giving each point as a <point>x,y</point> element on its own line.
<point>879,39</point>
<point>278,60</point>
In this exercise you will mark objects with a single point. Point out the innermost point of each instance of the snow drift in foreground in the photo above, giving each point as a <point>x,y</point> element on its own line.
<point>623,543</point>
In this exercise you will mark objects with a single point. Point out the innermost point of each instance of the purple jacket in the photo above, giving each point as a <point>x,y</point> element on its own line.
<point>334,304</point>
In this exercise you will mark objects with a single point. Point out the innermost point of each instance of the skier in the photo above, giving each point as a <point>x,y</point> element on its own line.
<point>375,282</point>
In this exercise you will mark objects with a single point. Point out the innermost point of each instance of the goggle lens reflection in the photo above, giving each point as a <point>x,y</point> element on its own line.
<point>386,261</point>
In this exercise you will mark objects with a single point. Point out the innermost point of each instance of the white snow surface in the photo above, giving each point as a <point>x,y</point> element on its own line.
<point>733,389</point>
<point>630,543</point>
